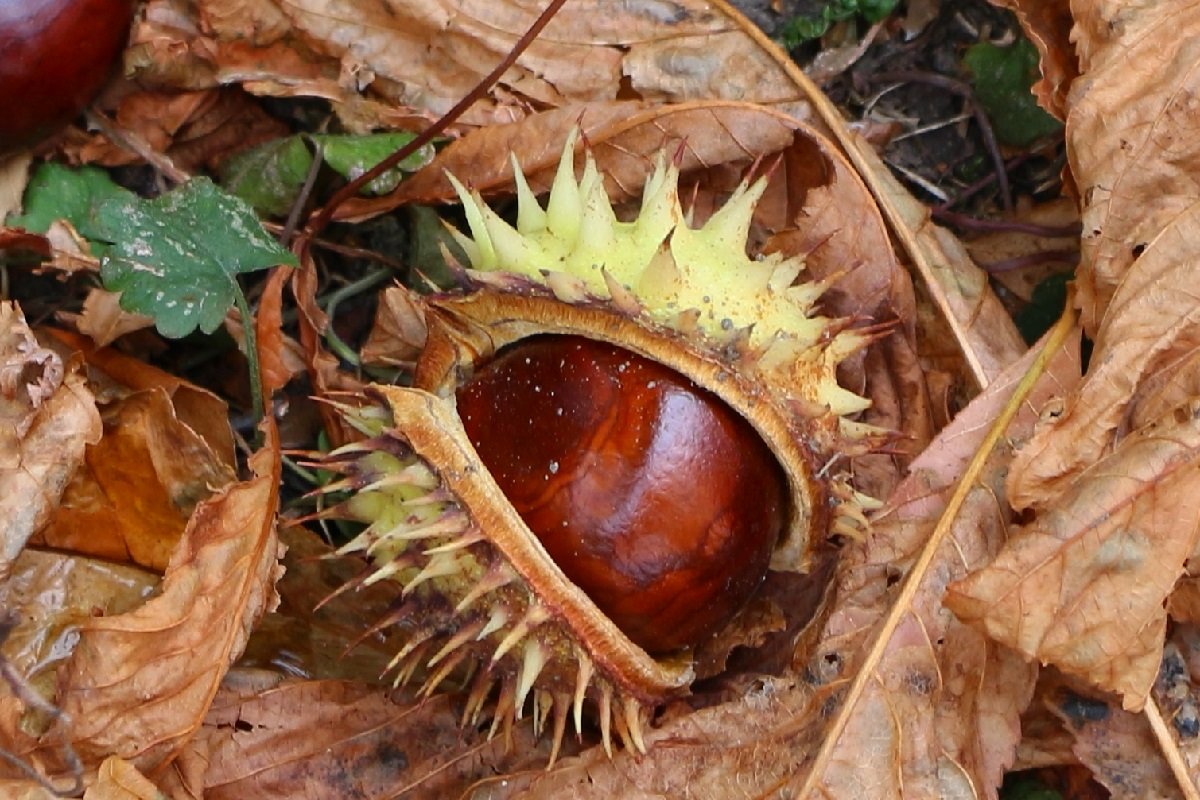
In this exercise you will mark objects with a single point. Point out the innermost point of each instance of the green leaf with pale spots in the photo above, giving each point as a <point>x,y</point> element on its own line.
<point>177,258</point>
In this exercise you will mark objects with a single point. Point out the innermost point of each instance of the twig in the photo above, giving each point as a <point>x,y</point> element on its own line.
<point>1170,750</point>
<point>1031,260</point>
<point>977,224</point>
<point>310,180</point>
<point>916,575</point>
<point>325,214</point>
<point>134,143</point>
<point>368,281</point>
<point>29,696</point>
<point>985,126</point>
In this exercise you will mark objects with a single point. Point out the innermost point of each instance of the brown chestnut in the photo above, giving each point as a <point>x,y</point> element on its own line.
<point>650,493</point>
<point>55,56</point>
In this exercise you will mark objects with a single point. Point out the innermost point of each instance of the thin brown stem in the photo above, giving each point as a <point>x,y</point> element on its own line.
<point>325,214</point>
<point>985,126</point>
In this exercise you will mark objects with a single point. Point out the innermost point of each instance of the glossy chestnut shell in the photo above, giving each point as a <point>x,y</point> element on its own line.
<point>650,493</point>
<point>55,56</point>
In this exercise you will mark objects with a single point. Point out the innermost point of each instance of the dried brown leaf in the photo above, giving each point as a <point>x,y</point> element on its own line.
<point>47,417</point>
<point>1083,586</point>
<point>14,174</point>
<point>743,748</point>
<point>1130,143</point>
<point>938,716</point>
<point>117,779</point>
<point>624,138</point>
<point>279,356</point>
<point>193,129</point>
<point>139,684</point>
<point>53,594</point>
<point>1116,745</point>
<point>270,738</point>
<point>427,55</point>
<point>1047,23</point>
<point>138,485</point>
<point>398,333</point>
<point>104,320</point>
<point>1152,322</point>
<point>115,375</point>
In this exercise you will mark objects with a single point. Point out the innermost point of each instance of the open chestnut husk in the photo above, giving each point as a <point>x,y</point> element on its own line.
<point>609,439</point>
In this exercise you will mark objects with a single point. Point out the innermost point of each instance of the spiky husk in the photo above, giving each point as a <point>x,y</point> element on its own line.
<point>480,593</point>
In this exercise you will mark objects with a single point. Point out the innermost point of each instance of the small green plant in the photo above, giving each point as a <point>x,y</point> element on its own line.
<point>1001,78</point>
<point>271,175</point>
<point>175,258</point>
<point>799,30</point>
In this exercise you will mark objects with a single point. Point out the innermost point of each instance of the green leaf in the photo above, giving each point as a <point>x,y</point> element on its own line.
<point>59,192</point>
<point>1044,308</point>
<point>799,30</point>
<point>270,176</point>
<point>1026,786</point>
<point>351,156</point>
<point>1001,78</point>
<point>176,258</point>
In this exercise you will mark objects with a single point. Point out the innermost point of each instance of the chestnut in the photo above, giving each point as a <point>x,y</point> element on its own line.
<point>55,57</point>
<point>652,495</point>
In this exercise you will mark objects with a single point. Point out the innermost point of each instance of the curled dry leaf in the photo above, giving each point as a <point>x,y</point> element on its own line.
<point>137,487</point>
<point>1117,746</point>
<point>138,684</point>
<point>115,375</point>
<point>375,61</point>
<point>193,130</point>
<point>1047,23</point>
<point>14,174</point>
<point>117,779</point>
<point>279,356</point>
<point>103,319</point>
<point>47,417</point>
<point>1150,331</point>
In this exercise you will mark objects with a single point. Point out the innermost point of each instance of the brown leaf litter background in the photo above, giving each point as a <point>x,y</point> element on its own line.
<point>1054,622</point>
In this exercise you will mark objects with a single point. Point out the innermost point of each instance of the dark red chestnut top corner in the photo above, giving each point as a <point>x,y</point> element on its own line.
<point>55,57</point>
